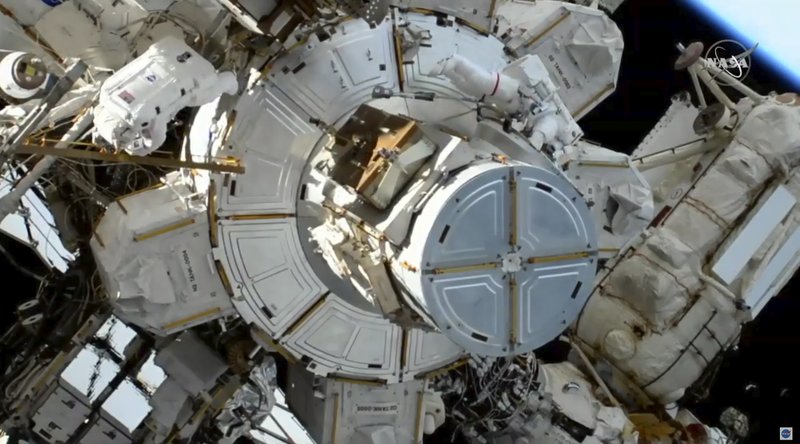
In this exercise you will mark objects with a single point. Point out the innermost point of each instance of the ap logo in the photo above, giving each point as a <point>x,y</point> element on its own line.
<point>786,434</point>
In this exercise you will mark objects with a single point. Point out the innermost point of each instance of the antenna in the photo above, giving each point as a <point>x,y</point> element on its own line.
<point>699,69</point>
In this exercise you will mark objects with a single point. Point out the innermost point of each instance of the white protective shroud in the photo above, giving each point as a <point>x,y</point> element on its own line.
<point>661,315</point>
<point>154,256</point>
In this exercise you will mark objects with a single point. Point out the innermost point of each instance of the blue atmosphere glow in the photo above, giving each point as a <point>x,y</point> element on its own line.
<point>773,24</point>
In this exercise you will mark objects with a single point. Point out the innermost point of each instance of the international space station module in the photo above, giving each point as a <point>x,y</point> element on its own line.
<point>356,222</point>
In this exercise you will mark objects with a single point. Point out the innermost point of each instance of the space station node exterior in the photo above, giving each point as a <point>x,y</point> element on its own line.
<point>396,208</point>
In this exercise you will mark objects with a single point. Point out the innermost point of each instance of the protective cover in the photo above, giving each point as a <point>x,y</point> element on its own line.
<point>252,403</point>
<point>596,45</point>
<point>660,316</point>
<point>772,131</point>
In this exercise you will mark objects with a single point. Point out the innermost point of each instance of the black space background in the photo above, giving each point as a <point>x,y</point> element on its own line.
<point>768,356</point>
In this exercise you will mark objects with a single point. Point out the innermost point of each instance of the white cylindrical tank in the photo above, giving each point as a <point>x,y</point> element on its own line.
<point>502,257</point>
<point>476,81</point>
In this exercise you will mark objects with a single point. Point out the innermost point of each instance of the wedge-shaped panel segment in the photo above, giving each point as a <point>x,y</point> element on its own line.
<point>427,351</point>
<point>472,226</point>
<point>338,74</point>
<point>272,282</point>
<point>273,139</point>
<point>478,13</point>
<point>473,307</point>
<point>552,217</point>
<point>550,298</point>
<point>419,68</point>
<point>420,64</point>
<point>340,339</point>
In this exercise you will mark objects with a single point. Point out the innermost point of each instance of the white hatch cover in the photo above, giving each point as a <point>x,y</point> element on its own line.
<point>508,260</point>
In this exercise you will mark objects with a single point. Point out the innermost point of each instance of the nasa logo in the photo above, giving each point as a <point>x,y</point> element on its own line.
<point>730,57</point>
<point>786,434</point>
<point>150,77</point>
